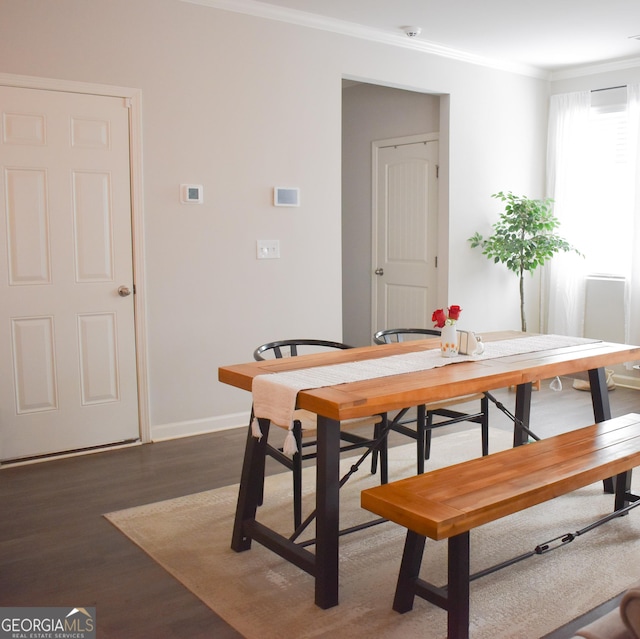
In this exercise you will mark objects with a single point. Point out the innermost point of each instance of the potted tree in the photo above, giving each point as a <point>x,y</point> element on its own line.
<point>523,238</point>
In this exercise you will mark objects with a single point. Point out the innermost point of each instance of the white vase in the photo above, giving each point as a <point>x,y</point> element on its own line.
<point>449,341</point>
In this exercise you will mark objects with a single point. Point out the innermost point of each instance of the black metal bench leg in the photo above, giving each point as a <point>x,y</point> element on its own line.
<point>458,590</point>
<point>623,488</point>
<point>409,571</point>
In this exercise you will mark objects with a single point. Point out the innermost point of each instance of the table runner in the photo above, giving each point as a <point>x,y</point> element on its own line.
<point>275,394</point>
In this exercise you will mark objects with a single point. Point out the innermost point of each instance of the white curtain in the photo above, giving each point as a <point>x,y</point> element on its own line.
<point>567,170</point>
<point>570,169</point>
<point>632,306</point>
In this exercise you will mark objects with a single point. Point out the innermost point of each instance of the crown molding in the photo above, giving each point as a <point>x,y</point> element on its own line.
<point>314,21</point>
<point>593,69</point>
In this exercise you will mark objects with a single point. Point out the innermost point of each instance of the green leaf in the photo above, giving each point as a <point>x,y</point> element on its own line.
<point>524,236</point>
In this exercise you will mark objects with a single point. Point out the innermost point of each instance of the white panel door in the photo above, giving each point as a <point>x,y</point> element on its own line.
<point>406,236</point>
<point>67,337</point>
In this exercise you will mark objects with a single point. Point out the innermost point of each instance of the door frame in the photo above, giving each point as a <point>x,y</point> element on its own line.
<point>133,98</point>
<point>376,145</point>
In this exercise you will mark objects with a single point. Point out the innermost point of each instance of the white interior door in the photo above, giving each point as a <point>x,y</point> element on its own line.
<point>67,337</point>
<point>405,235</point>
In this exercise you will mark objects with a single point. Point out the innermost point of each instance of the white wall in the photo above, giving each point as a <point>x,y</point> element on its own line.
<point>241,104</point>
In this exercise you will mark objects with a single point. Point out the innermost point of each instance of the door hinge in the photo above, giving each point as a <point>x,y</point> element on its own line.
<point>437,170</point>
<point>436,261</point>
<point>134,289</point>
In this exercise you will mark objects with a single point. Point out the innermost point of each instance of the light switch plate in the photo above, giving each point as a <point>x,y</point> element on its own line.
<point>267,249</point>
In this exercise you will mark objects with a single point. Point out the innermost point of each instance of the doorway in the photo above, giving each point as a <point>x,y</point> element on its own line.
<point>69,349</point>
<point>372,112</point>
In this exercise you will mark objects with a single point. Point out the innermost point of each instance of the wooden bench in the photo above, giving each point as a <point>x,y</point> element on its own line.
<point>449,502</point>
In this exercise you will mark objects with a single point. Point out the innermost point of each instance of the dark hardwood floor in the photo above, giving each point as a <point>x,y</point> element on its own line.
<point>56,549</point>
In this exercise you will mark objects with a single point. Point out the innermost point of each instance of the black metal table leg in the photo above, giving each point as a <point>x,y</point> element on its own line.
<point>328,508</point>
<point>421,437</point>
<point>601,408</point>
<point>484,424</point>
<point>251,485</point>
<point>523,413</point>
<point>599,394</point>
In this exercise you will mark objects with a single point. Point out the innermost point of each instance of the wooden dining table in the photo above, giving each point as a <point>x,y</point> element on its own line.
<point>332,404</point>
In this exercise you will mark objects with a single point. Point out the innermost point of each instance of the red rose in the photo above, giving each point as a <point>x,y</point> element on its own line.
<point>439,318</point>
<point>454,312</point>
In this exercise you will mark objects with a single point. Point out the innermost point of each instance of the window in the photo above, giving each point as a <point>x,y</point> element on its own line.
<point>608,188</point>
<point>594,177</point>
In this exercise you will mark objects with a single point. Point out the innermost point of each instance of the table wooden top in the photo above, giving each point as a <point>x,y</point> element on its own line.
<point>369,397</point>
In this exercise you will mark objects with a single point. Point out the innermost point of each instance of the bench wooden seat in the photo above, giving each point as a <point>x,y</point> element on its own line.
<point>449,502</point>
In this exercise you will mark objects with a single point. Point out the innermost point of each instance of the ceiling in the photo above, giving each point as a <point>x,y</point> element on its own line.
<point>548,35</point>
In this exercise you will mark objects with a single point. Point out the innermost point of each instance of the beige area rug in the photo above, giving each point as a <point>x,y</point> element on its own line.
<point>264,597</point>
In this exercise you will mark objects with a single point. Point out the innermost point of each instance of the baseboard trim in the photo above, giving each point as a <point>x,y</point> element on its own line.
<point>175,430</point>
<point>65,455</point>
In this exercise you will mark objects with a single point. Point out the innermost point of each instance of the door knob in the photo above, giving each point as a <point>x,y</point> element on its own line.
<point>379,271</point>
<point>124,291</point>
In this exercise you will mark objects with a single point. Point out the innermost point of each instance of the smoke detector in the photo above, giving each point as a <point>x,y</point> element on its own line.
<point>412,32</point>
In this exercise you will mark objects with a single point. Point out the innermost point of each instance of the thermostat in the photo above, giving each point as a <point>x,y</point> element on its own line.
<point>191,193</point>
<point>286,196</point>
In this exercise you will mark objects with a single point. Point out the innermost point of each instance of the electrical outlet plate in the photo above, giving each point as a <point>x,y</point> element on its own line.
<point>267,249</point>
